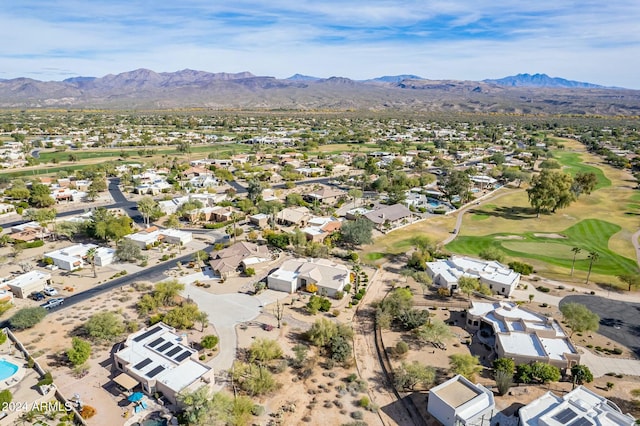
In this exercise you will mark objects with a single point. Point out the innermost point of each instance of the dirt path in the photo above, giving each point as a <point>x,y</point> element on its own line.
<point>493,196</point>
<point>367,361</point>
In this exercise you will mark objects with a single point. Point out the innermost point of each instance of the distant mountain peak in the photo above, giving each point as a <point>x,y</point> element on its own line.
<point>302,77</point>
<point>395,78</point>
<point>541,80</point>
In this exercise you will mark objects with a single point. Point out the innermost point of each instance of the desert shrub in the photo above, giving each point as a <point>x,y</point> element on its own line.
<point>79,351</point>
<point>27,317</point>
<point>104,326</point>
<point>543,289</point>
<point>401,348</point>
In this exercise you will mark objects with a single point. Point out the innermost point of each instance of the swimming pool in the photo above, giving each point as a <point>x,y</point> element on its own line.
<point>7,369</point>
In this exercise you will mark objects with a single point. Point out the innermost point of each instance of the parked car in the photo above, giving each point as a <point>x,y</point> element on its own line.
<point>52,303</point>
<point>37,296</point>
<point>50,291</point>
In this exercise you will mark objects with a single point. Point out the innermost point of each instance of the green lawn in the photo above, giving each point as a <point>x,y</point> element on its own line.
<point>590,235</point>
<point>573,164</point>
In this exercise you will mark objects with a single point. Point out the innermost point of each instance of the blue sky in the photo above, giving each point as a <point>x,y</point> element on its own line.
<point>581,40</point>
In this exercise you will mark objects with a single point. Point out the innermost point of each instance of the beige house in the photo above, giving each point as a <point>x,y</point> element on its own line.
<point>23,285</point>
<point>237,257</point>
<point>324,195</point>
<point>295,274</point>
<point>390,217</point>
<point>291,216</point>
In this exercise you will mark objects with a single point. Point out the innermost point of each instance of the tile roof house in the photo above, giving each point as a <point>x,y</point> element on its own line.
<point>324,195</point>
<point>294,274</point>
<point>389,217</point>
<point>320,227</point>
<point>293,216</point>
<point>235,258</point>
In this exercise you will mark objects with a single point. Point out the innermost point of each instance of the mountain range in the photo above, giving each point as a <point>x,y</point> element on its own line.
<point>146,89</point>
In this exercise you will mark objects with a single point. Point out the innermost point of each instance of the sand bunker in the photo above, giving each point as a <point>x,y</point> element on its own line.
<point>559,236</point>
<point>509,237</point>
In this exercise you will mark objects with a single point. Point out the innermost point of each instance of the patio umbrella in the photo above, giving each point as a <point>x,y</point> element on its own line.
<point>136,396</point>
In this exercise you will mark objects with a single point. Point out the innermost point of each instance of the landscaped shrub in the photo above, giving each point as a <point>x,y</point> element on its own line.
<point>543,289</point>
<point>87,412</point>
<point>520,267</point>
<point>209,342</point>
<point>46,380</point>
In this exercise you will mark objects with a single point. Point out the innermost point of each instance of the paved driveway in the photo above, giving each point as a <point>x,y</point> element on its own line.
<point>225,311</point>
<point>619,321</point>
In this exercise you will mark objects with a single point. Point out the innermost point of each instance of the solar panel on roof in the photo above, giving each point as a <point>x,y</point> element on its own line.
<point>156,342</point>
<point>164,347</point>
<point>582,421</point>
<point>142,364</point>
<point>184,355</point>
<point>147,334</point>
<point>173,351</point>
<point>155,371</point>
<point>565,415</point>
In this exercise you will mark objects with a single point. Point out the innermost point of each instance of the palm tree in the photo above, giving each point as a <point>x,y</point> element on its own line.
<point>575,251</point>
<point>593,257</point>
<point>91,258</point>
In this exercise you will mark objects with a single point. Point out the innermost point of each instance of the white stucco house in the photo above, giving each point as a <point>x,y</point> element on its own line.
<point>499,278</point>
<point>148,237</point>
<point>459,402</point>
<point>522,335</point>
<point>160,360</point>
<point>74,257</point>
<point>294,274</point>
<point>580,407</point>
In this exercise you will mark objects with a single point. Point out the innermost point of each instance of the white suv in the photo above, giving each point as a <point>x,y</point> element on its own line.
<point>50,291</point>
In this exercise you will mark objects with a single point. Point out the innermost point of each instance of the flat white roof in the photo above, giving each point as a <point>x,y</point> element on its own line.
<point>28,278</point>
<point>282,274</point>
<point>170,232</point>
<point>159,353</point>
<point>581,406</point>
<point>521,343</point>
<point>144,236</point>
<point>520,331</point>
<point>75,251</point>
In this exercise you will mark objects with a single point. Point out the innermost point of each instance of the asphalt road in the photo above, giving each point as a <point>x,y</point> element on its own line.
<point>120,201</point>
<point>151,273</point>
<point>618,320</point>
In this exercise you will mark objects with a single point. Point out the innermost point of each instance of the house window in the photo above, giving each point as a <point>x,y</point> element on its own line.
<point>502,290</point>
<point>303,282</point>
<point>491,286</point>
